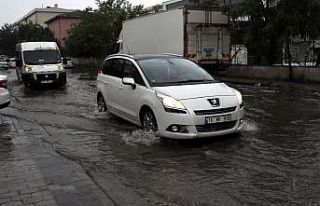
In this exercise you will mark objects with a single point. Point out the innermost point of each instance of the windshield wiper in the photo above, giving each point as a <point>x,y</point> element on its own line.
<point>193,80</point>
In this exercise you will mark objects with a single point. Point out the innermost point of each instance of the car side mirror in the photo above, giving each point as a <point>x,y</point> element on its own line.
<point>129,81</point>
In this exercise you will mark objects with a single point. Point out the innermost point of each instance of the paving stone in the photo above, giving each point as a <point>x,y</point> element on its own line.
<point>32,173</point>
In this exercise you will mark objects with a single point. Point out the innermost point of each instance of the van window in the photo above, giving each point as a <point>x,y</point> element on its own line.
<point>36,57</point>
<point>112,67</point>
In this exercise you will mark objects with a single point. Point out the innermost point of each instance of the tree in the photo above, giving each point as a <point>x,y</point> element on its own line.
<point>97,34</point>
<point>297,19</point>
<point>272,25</point>
<point>33,32</point>
<point>251,25</point>
<point>10,35</point>
<point>8,39</point>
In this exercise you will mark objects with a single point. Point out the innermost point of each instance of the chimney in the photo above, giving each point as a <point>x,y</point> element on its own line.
<point>55,5</point>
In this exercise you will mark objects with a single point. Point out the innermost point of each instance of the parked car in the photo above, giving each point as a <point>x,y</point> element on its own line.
<point>12,62</point>
<point>168,94</point>
<point>4,93</point>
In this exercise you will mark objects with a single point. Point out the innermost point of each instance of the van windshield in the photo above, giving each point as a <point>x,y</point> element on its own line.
<point>35,57</point>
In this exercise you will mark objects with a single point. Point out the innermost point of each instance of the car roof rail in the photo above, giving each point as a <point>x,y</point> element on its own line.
<point>172,54</point>
<point>122,55</point>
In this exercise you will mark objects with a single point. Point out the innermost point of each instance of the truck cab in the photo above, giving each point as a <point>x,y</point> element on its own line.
<point>39,63</point>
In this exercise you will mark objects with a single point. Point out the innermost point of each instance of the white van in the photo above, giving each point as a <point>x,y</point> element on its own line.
<point>39,63</point>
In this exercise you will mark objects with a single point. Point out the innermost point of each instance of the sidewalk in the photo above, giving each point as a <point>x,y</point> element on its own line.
<point>32,173</point>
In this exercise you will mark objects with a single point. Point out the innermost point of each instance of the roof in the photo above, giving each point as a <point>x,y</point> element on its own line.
<point>48,10</point>
<point>37,45</point>
<point>74,14</point>
<point>146,56</point>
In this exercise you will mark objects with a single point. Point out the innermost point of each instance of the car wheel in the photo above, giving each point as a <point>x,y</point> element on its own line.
<point>149,121</point>
<point>102,107</point>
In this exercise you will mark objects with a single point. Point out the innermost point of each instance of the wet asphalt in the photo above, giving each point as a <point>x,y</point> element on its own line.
<point>274,161</point>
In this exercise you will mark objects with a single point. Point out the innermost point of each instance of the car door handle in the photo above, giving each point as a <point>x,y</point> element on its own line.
<point>105,82</point>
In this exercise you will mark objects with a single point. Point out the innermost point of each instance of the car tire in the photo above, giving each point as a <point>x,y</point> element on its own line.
<point>102,106</point>
<point>148,120</point>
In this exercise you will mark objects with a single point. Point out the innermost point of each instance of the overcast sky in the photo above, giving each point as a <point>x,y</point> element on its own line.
<point>12,10</point>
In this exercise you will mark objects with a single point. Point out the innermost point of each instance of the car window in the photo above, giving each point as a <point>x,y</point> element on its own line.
<point>112,67</point>
<point>173,71</point>
<point>106,67</point>
<point>130,70</point>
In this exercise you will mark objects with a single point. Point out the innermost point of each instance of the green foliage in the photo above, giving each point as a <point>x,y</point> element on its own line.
<point>98,32</point>
<point>8,39</point>
<point>208,4</point>
<point>27,32</point>
<point>273,24</point>
<point>10,35</point>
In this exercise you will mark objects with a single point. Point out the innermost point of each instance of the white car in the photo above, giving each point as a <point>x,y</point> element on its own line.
<point>168,94</point>
<point>4,93</point>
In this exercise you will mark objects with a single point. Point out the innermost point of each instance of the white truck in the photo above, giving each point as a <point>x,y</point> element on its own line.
<point>199,35</point>
<point>39,63</point>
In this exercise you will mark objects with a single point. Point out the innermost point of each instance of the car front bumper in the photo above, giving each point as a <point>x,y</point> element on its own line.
<point>195,126</point>
<point>38,78</point>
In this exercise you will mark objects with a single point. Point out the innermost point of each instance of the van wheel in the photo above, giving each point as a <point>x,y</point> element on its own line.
<point>148,120</point>
<point>102,107</point>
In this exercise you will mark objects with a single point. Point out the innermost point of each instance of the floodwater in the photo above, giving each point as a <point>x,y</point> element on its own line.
<point>274,161</point>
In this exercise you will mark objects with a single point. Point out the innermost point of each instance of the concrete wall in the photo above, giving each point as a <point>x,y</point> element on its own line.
<point>274,73</point>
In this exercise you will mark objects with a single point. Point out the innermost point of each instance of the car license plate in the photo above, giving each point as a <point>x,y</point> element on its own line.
<point>216,119</point>
<point>47,81</point>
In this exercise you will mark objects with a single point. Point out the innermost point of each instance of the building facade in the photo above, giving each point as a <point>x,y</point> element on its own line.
<point>60,25</point>
<point>41,15</point>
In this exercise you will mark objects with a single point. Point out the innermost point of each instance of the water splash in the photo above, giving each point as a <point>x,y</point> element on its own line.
<point>140,137</point>
<point>249,126</point>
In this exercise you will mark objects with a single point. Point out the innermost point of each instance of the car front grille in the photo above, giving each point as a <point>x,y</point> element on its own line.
<point>215,111</point>
<point>216,127</point>
<point>43,77</point>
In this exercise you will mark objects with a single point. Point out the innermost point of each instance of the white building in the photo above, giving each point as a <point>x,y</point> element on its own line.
<point>41,15</point>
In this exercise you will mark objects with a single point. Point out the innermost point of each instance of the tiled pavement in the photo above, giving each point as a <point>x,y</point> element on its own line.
<point>32,173</point>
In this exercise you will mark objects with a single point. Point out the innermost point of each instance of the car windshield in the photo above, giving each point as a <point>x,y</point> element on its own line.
<point>42,57</point>
<point>173,71</point>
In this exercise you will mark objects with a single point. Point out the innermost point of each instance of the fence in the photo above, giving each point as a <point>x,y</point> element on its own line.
<point>273,73</point>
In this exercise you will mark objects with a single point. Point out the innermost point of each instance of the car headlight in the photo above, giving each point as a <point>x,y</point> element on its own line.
<point>27,69</point>
<point>239,97</point>
<point>171,105</point>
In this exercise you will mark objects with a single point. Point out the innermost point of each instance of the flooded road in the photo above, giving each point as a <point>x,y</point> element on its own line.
<point>275,161</point>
